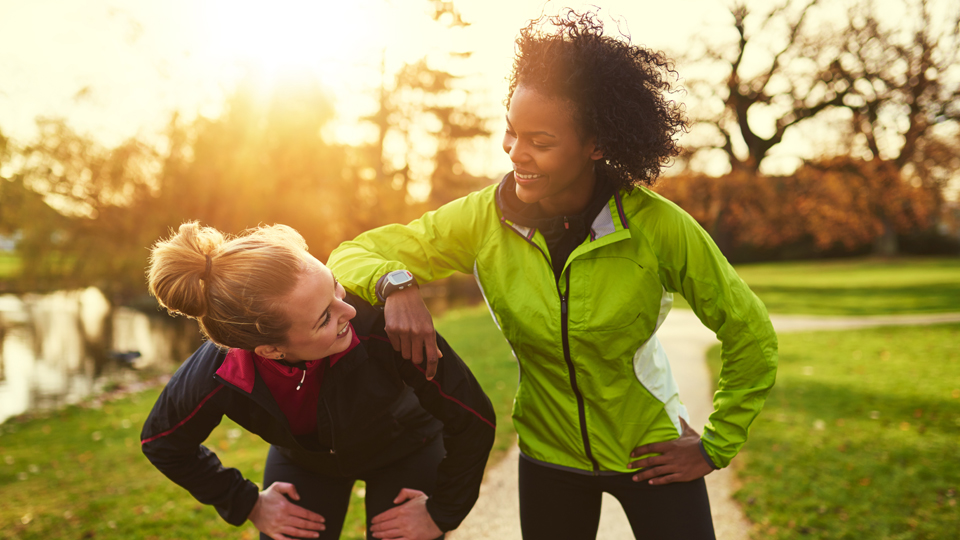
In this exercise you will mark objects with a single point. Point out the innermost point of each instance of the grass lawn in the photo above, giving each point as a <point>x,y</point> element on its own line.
<point>856,286</point>
<point>79,472</point>
<point>9,265</point>
<point>859,437</point>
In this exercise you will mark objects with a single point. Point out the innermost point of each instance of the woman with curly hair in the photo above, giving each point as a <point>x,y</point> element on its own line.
<point>578,262</point>
<point>294,359</point>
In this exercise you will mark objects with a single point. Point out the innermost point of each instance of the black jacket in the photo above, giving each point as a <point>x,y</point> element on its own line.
<point>370,413</point>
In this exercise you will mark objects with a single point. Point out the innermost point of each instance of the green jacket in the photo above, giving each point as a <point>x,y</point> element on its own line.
<point>594,381</point>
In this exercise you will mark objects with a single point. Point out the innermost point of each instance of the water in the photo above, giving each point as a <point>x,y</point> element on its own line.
<point>58,348</point>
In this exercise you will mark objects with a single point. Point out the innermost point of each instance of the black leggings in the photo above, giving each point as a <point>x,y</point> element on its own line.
<point>562,504</point>
<point>329,496</point>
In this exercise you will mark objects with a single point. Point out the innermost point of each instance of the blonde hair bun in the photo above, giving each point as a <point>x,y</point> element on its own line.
<point>178,275</point>
<point>232,286</point>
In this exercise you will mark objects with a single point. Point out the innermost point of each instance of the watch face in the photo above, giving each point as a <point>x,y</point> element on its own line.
<point>400,277</point>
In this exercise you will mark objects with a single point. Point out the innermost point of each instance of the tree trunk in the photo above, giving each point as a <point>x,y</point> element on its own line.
<point>886,245</point>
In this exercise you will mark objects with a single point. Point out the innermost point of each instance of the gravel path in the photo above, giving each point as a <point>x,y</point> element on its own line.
<point>686,340</point>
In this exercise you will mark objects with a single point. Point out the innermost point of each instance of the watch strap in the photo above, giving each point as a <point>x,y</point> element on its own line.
<point>384,288</point>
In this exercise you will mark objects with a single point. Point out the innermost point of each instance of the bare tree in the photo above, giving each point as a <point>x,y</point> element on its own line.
<point>906,81</point>
<point>777,71</point>
<point>905,107</point>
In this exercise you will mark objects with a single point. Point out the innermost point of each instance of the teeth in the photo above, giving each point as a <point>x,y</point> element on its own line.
<point>526,176</point>
<point>344,331</point>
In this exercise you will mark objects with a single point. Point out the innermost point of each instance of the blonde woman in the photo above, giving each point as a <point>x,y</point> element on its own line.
<point>293,358</point>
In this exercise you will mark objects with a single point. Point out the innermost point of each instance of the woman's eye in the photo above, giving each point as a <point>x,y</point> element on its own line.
<point>326,320</point>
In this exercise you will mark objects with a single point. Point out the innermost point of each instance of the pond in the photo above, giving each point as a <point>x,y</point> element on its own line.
<point>58,348</point>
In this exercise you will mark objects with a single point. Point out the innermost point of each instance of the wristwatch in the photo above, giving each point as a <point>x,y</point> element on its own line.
<point>393,282</point>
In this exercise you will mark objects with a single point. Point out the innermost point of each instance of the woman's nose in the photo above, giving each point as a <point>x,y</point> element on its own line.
<point>349,313</point>
<point>514,151</point>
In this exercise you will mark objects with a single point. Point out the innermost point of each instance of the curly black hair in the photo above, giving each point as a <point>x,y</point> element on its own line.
<point>619,92</point>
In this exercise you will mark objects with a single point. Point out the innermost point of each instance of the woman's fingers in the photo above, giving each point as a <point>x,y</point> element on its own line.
<point>650,473</point>
<point>410,327</point>
<point>406,494</point>
<point>669,479</point>
<point>298,532</point>
<point>287,489</point>
<point>302,513</point>
<point>649,462</point>
<point>276,516</point>
<point>652,448</point>
<point>680,460</point>
<point>295,532</point>
<point>307,524</point>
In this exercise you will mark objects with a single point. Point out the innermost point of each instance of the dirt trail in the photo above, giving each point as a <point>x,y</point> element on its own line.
<point>686,340</point>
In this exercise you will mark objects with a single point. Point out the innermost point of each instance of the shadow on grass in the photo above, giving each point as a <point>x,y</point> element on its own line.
<point>829,402</point>
<point>835,461</point>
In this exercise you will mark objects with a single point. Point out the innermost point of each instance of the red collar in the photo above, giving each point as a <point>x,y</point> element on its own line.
<point>238,370</point>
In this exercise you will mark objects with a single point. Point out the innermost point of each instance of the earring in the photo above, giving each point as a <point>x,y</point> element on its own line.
<point>281,356</point>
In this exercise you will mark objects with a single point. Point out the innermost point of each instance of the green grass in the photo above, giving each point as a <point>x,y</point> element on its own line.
<point>856,286</point>
<point>859,437</point>
<point>79,472</point>
<point>9,265</point>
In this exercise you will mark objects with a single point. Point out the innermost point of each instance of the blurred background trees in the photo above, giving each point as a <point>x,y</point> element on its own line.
<point>86,215</point>
<point>874,99</point>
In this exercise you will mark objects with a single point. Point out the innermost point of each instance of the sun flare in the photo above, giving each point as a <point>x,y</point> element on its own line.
<point>329,40</point>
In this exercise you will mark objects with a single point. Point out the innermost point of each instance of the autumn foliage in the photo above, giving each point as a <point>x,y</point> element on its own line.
<point>839,204</point>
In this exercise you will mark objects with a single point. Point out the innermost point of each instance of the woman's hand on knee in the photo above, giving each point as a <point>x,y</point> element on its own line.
<point>276,517</point>
<point>679,460</point>
<point>409,521</point>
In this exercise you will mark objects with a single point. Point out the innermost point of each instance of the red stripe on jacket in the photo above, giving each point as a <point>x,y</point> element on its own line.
<point>184,421</point>
<point>439,389</point>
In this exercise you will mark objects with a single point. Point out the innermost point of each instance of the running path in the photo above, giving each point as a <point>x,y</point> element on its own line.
<point>497,515</point>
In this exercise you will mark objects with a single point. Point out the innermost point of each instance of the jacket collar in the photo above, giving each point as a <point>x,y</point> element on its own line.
<point>238,369</point>
<point>514,213</point>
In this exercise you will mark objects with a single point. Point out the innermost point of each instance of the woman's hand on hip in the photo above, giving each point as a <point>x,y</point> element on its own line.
<point>278,518</point>
<point>410,328</point>
<point>409,521</point>
<point>680,460</point>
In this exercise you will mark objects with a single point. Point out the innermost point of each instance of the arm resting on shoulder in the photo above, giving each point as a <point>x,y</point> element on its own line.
<point>434,246</point>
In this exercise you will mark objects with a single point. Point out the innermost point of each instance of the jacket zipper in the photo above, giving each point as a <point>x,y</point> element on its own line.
<point>581,408</point>
<point>281,417</point>
<point>333,440</point>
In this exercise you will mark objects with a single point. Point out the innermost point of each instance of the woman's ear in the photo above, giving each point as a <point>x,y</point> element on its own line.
<point>269,351</point>
<point>595,151</point>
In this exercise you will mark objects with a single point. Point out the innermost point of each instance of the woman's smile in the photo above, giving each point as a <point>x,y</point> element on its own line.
<point>523,177</point>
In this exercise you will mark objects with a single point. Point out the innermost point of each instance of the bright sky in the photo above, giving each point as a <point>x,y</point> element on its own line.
<point>117,68</point>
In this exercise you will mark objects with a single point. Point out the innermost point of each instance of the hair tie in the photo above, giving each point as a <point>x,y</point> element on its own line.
<point>206,273</point>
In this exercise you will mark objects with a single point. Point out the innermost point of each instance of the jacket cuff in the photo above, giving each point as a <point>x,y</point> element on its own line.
<point>706,456</point>
<point>442,522</point>
<point>243,504</point>
<point>379,287</point>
